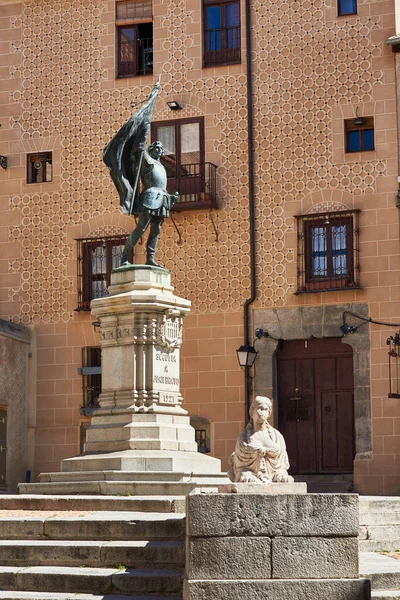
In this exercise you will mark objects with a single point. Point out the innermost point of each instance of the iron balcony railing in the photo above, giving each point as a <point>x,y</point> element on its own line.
<point>221,46</point>
<point>196,184</point>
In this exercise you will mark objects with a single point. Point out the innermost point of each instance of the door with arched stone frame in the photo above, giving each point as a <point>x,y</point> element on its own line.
<point>316,404</point>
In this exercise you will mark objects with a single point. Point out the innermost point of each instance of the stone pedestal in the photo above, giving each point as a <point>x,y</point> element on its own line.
<point>246,545</point>
<point>140,432</point>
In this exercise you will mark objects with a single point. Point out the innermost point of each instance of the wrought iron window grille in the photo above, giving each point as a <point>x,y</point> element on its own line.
<point>327,251</point>
<point>91,374</point>
<point>97,257</point>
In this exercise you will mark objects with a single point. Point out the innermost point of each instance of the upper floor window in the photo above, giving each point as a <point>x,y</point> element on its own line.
<point>39,167</point>
<point>96,259</point>
<point>184,161</point>
<point>327,251</point>
<point>347,7</point>
<point>359,134</point>
<point>221,32</point>
<point>134,21</point>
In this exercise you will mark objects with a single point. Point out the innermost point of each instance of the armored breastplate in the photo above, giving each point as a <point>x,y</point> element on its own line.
<point>154,176</point>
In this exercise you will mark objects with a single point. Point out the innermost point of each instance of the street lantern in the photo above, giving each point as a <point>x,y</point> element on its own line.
<point>246,355</point>
<point>394,354</point>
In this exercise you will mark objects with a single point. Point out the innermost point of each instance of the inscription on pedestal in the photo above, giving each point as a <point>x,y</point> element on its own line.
<point>166,375</point>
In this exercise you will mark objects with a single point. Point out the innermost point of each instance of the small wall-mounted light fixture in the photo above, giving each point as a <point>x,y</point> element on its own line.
<point>394,375</point>
<point>174,105</point>
<point>246,355</point>
<point>3,161</point>
<point>359,121</point>
<point>260,333</point>
<point>347,329</point>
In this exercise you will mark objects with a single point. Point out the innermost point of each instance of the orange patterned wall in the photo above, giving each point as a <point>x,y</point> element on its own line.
<point>59,92</point>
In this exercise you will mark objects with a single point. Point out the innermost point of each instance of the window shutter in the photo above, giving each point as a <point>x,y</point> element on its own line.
<point>131,12</point>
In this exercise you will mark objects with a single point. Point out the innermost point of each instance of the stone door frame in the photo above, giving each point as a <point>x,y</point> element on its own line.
<point>303,323</point>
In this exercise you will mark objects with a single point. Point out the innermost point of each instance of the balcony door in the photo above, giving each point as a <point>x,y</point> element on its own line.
<point>183,158</point>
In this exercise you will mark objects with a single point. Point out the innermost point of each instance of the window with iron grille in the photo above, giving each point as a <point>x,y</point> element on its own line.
<point>96,259</point>
<point>327,254</point>
<point>184,161</point>
<point>134,22</point>
<point>221,32</point>
<point>39,167</point>
<point>91,373</point>
<point>359,134</point>
<point>201,440</point>
<point>3,447</point>
<point>347,7</point>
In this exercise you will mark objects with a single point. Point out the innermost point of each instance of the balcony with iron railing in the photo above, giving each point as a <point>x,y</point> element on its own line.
<point>196,184</point>
<point>221,46</point>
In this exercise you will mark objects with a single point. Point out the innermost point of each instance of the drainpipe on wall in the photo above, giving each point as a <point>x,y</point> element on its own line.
<point>394,42</point>
<point>253,291</point>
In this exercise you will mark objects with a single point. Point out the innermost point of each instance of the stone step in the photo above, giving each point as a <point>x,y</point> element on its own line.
<point>383,571</point>
<point>125,488</point>
<point>379,546</point>
<point>4,595</point>
<point>114,476</point>
<point>384,534</point>
<point>384,517</point>
<point>69,553</point>
<point>380,595</point>
<point>130,476</point>
<point>94,526</point>
<point>160,504</point>
<point>91,580</point>
<point>331,487</point>
<point>379,503</point>
<point>331,483</point>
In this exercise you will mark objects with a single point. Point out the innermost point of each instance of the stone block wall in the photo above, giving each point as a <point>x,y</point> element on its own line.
<point>273,546</point>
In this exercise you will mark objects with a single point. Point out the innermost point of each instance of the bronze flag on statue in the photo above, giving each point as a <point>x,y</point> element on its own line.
<point>122,154</point>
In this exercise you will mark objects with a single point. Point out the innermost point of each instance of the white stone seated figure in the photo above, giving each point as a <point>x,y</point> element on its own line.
<point>260,453</point>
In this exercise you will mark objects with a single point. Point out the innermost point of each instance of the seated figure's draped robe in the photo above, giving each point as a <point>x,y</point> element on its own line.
<point>262,453</point>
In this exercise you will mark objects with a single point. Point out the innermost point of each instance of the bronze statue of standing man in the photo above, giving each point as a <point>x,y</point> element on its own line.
<point>129,162</point>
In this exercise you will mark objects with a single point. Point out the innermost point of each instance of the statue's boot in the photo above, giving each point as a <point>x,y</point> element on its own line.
<point>125,255</point>
<point>151,262</point>
<point>152,240</point>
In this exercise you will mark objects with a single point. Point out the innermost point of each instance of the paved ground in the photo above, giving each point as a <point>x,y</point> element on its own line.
<point>373,562</point>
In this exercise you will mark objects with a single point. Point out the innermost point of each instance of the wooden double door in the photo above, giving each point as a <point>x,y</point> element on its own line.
<point>316,405</point>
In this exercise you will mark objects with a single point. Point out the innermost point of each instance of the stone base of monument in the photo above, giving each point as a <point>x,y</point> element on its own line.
<point>269,489</point>
<point>140,440</point>
<point>246,545</point>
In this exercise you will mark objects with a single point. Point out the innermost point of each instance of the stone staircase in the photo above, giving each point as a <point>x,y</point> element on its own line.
<point>379,523</point>
<point>384,573</point>
<point>91,547</point>
<point>379,531</point>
